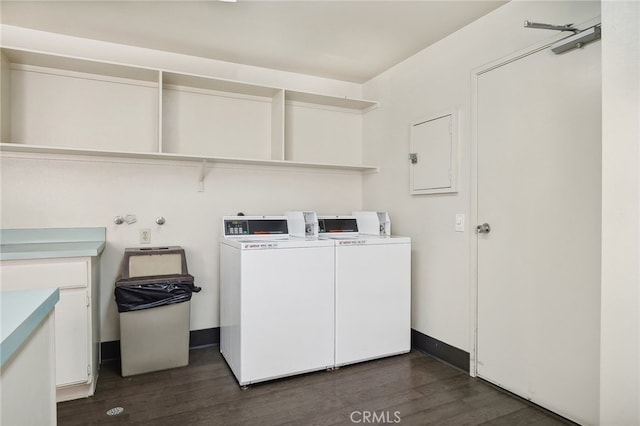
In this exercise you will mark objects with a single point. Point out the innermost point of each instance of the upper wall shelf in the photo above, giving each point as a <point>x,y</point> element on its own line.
<point>19,58</point>
<point>206,83</point>
<point>331,101</point>
<point>64,105</point>
<point>32,149</point>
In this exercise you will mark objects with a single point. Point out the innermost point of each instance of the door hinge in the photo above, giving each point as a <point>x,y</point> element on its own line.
<point>88,301</point>
<point>88,370</point>
<point>413,157</point>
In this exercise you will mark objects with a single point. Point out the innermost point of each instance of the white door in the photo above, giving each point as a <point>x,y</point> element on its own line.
<point>539,179</point>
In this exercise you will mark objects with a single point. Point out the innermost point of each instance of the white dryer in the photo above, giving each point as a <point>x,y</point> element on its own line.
<point>373,291</point>
<point>276,300</point>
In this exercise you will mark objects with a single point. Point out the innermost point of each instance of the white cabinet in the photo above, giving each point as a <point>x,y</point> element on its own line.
<point>77,322</point>
<point>67,105</point>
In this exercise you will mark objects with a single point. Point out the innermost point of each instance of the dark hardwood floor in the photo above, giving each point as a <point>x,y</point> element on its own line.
<point>411,389</point>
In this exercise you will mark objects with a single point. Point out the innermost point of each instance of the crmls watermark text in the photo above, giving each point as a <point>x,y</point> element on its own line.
<point>383,417</point>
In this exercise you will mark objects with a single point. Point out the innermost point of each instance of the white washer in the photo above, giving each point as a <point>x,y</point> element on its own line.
<point>373,291</point>
<point>276,300</point>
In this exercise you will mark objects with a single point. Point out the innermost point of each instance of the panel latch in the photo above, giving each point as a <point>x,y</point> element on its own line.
<point>413,157</point>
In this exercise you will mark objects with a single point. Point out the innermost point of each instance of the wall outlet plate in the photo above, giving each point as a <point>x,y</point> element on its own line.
<point>145,236</point>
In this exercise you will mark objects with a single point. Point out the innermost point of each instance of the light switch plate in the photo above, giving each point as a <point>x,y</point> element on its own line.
<point>460,222</point>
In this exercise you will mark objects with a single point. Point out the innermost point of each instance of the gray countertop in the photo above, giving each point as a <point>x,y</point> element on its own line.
<point>21,313</point>
<point>44,243</point>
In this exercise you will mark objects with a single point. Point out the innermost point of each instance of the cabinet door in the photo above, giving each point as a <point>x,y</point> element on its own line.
<point>71,313</point>
<point>72,348</point>
<point>434,155</point>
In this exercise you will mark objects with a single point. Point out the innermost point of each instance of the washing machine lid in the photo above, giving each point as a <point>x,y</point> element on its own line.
<point>255,227</point>
<point>337,226</point>
<point>361,240</point>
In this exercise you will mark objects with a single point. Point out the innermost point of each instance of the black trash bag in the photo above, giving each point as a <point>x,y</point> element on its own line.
<point>150,292</point>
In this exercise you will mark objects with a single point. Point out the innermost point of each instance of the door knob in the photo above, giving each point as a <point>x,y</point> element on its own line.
<point>485,228</point>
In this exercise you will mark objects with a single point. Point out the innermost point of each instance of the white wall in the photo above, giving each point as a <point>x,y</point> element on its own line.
<point>620,326</point>
<point>41,190</point>
<point>434,80</point>
<point>49,191</point>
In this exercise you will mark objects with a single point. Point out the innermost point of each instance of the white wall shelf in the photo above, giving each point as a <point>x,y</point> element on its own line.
<point>64,63</point>
<point>331,101</point>
<point>225,86</point>
<point>35,149</point>
<point>62,105</point>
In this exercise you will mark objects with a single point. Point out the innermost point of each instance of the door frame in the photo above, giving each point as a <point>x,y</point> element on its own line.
<point>473,184</point>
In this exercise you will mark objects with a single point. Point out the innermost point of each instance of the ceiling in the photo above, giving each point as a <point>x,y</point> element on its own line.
<point>345,40</point>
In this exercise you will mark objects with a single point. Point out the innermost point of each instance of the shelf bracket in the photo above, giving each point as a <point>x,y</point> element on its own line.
<point>203,174</point>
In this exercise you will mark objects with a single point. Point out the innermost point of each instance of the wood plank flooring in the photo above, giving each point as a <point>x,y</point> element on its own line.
<point>411,389</point>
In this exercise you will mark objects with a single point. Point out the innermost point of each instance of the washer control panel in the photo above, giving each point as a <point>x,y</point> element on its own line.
<point>244,226</point>
<point>342,225</point>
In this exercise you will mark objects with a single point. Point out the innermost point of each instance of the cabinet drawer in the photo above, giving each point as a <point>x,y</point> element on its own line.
<point>34,274</point>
